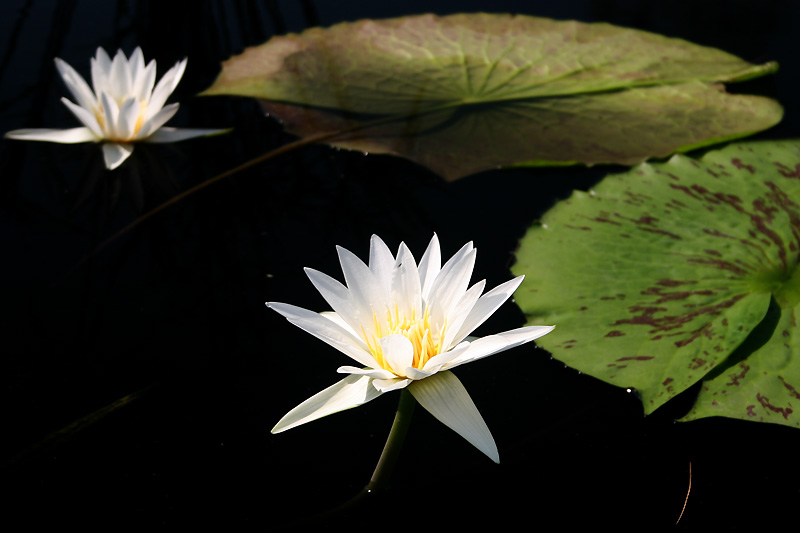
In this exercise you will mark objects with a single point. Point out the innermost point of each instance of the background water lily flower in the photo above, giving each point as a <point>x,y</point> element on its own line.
<point>122,109</point>
<point>406,325</point>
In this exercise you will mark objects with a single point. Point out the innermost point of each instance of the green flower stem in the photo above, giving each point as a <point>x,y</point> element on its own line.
<point>394,443</point>
<point>388,460</point>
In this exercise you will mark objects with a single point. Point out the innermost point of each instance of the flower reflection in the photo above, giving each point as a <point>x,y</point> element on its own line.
<point>406,324</point>
<point>121,109</point>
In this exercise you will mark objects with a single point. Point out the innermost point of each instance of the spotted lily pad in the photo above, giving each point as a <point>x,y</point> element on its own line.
<point>469,92</point>
<point>675,273</point>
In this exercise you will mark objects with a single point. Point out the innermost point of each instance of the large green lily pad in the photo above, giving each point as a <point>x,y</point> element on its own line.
<point>679,272</point>
<point>470,92</point>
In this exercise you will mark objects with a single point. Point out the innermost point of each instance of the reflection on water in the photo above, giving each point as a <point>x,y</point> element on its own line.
<point>175,307</point>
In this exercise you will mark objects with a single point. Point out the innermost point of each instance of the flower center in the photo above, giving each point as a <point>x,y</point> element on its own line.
<point>426,339</point>
<point>100,115</point>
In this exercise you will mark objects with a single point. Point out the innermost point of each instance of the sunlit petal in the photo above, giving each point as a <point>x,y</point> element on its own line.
<point>398,352</point>
<point>388,385</point>
<point>486,306</point>
<point>119,82</point>
<point>126,121</point>
<point>500,342</point>
<point>86,118</point>
<point>160,118</point>
<point>164,88</point>
<point>111,113</point>
<point>460,312</point>
<point>451,283</point>
<point>350,392</point>
<point>326,330</point>
<point>148,80</point>
<point>429,266</point>
<point>406,292</point>
<point>101,69</point>
<point>330,315</point>
<point>70,136</point>
<point>166,134</point>
<point>415,373</point>
<point>114,154</point>
<point>76,85</point>
<point>443,396</point>
<point>367,296</point>
<point>377,373</point>
<point>440,360</point>
<point>338,297</point>
<point>381,262</point>
<point>137,68</point>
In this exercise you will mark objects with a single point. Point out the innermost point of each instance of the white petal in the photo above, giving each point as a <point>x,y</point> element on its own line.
<point>416,373</point>
<point>331,315</point>
<point>406,289</point>
<point>170,135</point>
<point>388,385</point>
<point>340,339</point>
<point>443,396</point>
<point>435,363</point>
<point>328,331</point>
<point>111,114</point>
<point>500,342</point>
<point>70,136</point>
<point>86,117</point>
<point>338,297</point>
<point>398,352</point>
<point>451,283</point>
<point>429,266</point>
<point>159,119</point>
<point>377,373</point>
<point>145,84</point>
<point>126,121</point>
<point>76,85</point>
<point>486,306</point>
<point>459,314</point>
<point>115,154</point>
<point>137,71</point>
<point>101,69</point>
<point>165,87</point>
<point>350,392</point>
<point>381,262</point>
<point>119,82</point>
<point>367,296</point>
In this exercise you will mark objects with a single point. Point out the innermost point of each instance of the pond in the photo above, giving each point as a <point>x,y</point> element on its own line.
<point>142,372</point>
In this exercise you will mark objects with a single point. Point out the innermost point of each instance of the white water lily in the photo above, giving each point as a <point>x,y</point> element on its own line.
<point>405,325</point>
<point>122,109</point>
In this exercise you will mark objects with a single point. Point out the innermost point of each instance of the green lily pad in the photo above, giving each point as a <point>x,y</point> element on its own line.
<point>675,273</point>
<point>469,92</point>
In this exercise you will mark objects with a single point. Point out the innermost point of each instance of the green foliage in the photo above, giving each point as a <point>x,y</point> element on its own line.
<point>469,92</point>
<point>679,272</point>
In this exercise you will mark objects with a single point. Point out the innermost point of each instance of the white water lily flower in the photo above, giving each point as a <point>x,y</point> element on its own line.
<point>406,325</point>
<point>123,108</point>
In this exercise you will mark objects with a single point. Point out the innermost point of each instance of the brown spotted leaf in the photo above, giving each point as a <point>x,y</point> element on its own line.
<point>469,92</point>
<point>679,272</point>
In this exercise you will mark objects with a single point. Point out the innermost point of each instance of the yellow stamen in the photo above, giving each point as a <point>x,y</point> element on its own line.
<point>425,339</point>
<point>101,118</point>
<point>139,119</point>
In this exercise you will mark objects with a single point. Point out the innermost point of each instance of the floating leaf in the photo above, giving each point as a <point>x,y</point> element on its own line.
<point>469,92</point>
<point>678,272</point>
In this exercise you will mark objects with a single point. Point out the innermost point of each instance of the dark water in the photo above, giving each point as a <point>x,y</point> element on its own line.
<point>173,312</point>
